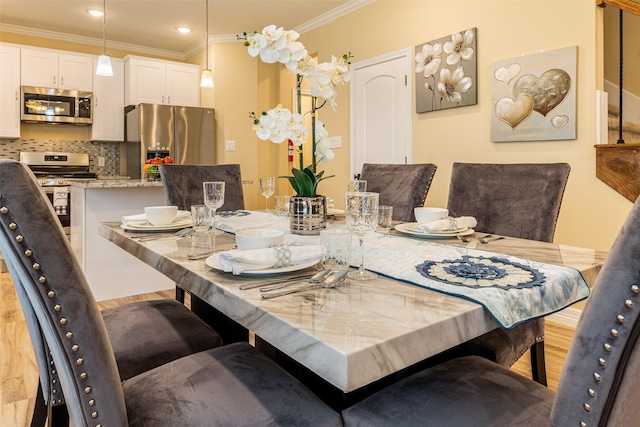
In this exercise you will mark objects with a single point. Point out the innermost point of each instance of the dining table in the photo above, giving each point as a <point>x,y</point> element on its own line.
<point>349,341</point>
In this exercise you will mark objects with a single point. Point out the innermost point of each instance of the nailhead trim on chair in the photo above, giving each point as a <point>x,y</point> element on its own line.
<point>63,321</point>
<point>614,333</point>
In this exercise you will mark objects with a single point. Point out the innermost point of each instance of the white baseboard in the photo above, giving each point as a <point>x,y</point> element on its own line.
<point>568,317</point>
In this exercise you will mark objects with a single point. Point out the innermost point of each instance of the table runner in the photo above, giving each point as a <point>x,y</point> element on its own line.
<point>511,289</point>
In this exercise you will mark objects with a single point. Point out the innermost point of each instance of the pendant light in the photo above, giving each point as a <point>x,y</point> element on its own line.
<point>104,62</point>
<point>207,74</point>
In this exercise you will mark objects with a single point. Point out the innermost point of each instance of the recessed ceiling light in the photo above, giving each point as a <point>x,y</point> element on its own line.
<point>184,30</point>
<point>94,12</point>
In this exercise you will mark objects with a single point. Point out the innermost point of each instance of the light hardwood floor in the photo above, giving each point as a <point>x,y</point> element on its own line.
<point>19,376</point>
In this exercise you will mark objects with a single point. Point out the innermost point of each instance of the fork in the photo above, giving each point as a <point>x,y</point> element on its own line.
<point>180,233</point>
<point>486,239</point>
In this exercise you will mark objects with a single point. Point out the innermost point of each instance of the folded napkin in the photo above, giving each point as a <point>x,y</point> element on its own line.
<point>448,224</point>
<point>141,219</point>
<point>237,261</point>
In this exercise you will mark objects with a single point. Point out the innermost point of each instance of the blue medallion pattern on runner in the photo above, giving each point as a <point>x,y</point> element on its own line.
<point>482,272</point>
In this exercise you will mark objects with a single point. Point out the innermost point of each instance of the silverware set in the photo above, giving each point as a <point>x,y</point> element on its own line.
<point>484,239</point>
<point>325,281</point>
<point>185,232</point>
<point>275,288</point>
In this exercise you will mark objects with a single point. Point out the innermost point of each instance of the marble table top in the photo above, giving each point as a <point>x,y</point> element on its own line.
<point>355,334</point>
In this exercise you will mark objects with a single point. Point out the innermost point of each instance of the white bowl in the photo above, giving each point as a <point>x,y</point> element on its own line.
<point>427,214</point>
<point>161,215</point>
<point>257,238</point>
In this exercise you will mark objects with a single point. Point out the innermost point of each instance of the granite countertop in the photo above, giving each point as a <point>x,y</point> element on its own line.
<point>123,182</point>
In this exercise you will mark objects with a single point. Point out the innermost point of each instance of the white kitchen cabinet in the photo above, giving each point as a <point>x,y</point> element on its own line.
<point>54,69</point>
<point>108,104</point>
<point>9,92</point>
<point>161,82</point>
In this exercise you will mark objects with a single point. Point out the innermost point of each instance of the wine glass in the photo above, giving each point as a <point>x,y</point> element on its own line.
<point>362,216</point>
<point>267,188</point>
<point>213,198</point>
<point>357,186</point>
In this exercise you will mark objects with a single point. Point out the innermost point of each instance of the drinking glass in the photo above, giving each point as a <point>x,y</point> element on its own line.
<point>282,205</point>
<point>362,216</point>
<point>357,186</point>
<point>267,188</point>
<point>385,214</point>
<point>213,197</point>
<point>201,218</point>
<point>336,248</point>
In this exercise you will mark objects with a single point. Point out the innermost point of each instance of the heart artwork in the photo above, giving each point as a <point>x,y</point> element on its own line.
<point>547,91</point>
<point>559,121</point>
<point>514,111</point>
<point>506,74</point>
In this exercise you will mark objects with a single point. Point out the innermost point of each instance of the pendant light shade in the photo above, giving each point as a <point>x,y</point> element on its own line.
<point>104,62</point>
<point>207,75</point>
<point>104,66</point>
<point>207,78</point>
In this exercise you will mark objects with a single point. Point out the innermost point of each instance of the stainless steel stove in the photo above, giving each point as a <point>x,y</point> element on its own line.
<point>55,171</point>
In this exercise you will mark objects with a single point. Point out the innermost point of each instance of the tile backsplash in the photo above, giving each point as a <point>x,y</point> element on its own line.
<point>109,150</point>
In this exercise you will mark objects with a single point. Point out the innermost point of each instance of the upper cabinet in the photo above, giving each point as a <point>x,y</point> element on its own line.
<point>49,68</point>
<point>108,104</point>
<point>161,82</point>
<point>9,92</point>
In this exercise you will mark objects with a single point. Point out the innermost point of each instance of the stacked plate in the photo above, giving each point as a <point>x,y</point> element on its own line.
<point>414,229</point>
<point>139,223</point>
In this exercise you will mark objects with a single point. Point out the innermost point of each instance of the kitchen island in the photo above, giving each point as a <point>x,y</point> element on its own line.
<point>112,272</point>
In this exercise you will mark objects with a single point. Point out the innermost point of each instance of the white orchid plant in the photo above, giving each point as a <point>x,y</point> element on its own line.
<point>276,45</point>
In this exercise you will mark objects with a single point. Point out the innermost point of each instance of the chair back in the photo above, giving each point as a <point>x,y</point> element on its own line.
<point>599,384</point>
<point>62,316</point>
<point>183,184</point>
<point>517,200</point>
<point>402,186</point>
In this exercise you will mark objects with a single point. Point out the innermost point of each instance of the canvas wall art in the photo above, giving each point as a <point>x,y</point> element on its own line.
<point>534,97</point>
<point>446,72</point>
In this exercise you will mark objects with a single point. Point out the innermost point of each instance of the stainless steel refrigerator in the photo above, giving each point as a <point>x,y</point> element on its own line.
<point>184,133</point>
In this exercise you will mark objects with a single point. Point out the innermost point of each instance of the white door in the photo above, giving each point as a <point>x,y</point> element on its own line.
<point>381,110</point>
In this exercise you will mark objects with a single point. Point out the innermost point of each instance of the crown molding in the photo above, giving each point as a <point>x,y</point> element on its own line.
<point>332,15</point>
<point>92,41</point>
<point>317,22</point>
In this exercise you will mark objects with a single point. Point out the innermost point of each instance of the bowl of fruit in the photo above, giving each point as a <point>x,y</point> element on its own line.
<point>151,165</point>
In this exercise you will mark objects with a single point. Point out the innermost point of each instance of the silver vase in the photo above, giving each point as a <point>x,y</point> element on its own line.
<point>307,215</point>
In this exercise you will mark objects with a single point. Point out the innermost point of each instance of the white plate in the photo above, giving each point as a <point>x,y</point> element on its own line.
<point>333,211</point>
<point>213,262</point>
<point>174,226</point>
<point>413,229</point>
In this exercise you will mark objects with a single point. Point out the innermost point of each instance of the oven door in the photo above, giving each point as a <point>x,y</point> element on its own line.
<point>60,198</point>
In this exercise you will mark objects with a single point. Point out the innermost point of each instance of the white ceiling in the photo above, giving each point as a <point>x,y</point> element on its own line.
<point>149,25</point>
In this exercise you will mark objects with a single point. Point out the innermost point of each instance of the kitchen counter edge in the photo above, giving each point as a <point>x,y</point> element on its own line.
<point>116,183</point>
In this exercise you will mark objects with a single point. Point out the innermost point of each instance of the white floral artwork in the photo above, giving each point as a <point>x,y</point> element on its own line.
<point>534,97</point>
<point>446,72</point>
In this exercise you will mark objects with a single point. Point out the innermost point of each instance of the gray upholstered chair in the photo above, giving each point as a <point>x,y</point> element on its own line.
<point>183,188</point>
<point>139,343</point>
<point>517,200</point>
<point>222,386</point>
<point>402,186</point>
<point>183,184</point>
<point>599,383</point>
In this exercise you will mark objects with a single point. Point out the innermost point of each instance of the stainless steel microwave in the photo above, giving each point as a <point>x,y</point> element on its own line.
<point>48,105</point>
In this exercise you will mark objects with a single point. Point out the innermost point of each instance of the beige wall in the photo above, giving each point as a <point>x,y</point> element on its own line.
<point>592,213</point>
